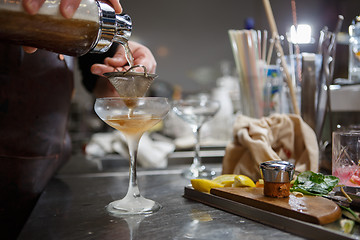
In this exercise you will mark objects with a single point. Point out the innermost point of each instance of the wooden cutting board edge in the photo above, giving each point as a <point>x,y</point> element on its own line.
<point>321,220</point>
<point>294,226</point>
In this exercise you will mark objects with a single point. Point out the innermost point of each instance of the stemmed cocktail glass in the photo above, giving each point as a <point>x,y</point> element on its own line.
<point>196,112</point>
<point>132,117</point>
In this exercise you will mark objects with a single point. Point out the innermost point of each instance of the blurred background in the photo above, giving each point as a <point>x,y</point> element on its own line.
<point>191,44</point>
<point>190,38</point>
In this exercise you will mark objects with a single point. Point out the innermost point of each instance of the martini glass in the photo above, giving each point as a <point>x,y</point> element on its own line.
<point>132,117</point>
<point>196,112</point>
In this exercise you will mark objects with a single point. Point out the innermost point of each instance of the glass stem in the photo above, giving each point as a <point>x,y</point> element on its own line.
<point>133,144</point>
<point>197,159</point>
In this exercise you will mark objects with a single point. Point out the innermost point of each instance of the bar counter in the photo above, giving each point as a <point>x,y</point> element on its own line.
<point>73,207</point>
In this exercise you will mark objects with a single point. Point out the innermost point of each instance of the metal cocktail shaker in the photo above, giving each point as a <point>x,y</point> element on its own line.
<point>277,175</point>
<point>94,27</point>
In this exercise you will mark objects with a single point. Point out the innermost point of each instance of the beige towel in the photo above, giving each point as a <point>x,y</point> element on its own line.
<point>278,136</point>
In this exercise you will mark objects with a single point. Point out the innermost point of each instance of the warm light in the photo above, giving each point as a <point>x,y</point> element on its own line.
<point>302,35</point>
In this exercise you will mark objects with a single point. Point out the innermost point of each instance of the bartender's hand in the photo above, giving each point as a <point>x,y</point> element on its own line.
<point>67,9</point>
<point>142,56</point>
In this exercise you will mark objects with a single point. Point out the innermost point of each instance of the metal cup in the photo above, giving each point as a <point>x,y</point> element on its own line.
<point>277,171</point>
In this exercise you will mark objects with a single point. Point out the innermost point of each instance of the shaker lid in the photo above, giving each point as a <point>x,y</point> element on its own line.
<point>112,27</point>
<point>277,171</point>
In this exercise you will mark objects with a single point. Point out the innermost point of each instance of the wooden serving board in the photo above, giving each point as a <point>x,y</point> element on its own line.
<point>278,213</point>
<point>312,209</point>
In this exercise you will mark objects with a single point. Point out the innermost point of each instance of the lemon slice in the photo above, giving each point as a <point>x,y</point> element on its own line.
<point>204,185</point>
<point>260,183</point>
<point>347,225</point>
<point>243,181</point>
<point>225,179</point>
<point>228,183</point>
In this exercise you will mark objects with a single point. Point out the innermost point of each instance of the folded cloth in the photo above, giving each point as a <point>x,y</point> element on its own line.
<point>277,137</point>
<point>151,153</point>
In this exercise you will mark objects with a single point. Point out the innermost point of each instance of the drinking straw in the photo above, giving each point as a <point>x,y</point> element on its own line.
<point>259,43</point>
<point>271,47</point>
<point>297,47</point>
<point>264,45</point>
<point>278,46</point>
<point>236,43</point>
<point>246,46</point>
<point>253,78</point>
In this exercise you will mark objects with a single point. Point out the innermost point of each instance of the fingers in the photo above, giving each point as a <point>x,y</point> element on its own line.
<point>32,6</point>
<point>150,64</point>
<point>143,56</point>
<point>29,49</point>
<point>116,5</point>
<point>69,7</point>
<point>100,69</point>
<point>116,61</point>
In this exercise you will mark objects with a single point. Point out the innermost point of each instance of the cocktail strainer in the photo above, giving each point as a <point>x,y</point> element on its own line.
<point>130,83</point>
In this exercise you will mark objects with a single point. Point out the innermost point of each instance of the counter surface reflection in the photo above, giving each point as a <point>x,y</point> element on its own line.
<point>73,207</point>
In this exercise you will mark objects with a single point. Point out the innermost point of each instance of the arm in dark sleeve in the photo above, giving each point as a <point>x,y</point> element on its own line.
<point>86,61</point>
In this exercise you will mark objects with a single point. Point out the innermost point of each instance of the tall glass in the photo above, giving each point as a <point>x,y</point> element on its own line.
<point>196,112</point>
<point>346,157</point>
<point>132,117</point>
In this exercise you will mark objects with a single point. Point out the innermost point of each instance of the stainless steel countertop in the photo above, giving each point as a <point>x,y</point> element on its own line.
<point>73,207</point>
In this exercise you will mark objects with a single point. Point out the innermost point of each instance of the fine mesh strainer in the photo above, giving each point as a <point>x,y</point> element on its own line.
<point>130,83</point>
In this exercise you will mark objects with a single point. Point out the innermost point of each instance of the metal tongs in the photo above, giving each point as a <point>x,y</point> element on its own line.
<point>348,200</point>
<point>327,48</point>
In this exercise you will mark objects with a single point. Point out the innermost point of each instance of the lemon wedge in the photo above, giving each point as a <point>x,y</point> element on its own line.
<point>347,225</point>
<point>228,183</point>
<point>225,179</point>
<point>243,181</point>
<point>204,185</point>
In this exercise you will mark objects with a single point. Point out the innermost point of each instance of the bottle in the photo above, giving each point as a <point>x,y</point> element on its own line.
<point>94,27</point>
<point>354,51</point>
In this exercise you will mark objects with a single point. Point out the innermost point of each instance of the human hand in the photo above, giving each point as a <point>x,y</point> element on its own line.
<point>142,56</point>
<point>67,9</point>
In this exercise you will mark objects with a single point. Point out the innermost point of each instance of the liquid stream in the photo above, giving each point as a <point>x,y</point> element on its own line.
<point>128,54</point>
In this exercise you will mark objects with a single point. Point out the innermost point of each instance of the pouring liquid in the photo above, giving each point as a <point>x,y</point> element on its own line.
<point>130,103</point>
<point>128,54</point>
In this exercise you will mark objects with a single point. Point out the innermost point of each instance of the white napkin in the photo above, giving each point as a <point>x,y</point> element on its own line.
<point>151,153</point>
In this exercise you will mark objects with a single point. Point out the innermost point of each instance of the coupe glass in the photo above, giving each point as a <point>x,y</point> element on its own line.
<point>196,112</point>
<point>132,117</point>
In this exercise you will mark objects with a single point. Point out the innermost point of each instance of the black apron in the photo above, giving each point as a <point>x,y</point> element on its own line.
<point>35,98</point>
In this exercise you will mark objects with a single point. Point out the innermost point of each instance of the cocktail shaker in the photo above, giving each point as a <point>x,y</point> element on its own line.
<point>94,27</point>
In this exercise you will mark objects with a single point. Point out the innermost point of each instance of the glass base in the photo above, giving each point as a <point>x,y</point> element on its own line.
<point>133,206</point>
<point>199,172</point>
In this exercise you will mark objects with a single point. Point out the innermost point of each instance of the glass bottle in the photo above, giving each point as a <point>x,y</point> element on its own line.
<point>354,50</point>
<point>94,27</point>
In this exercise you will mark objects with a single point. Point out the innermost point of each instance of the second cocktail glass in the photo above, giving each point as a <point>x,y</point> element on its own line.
<point>196,112</point>
<point>132,117</point>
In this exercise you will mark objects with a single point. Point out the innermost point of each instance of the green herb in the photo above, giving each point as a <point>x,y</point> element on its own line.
<point>311,183</point>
